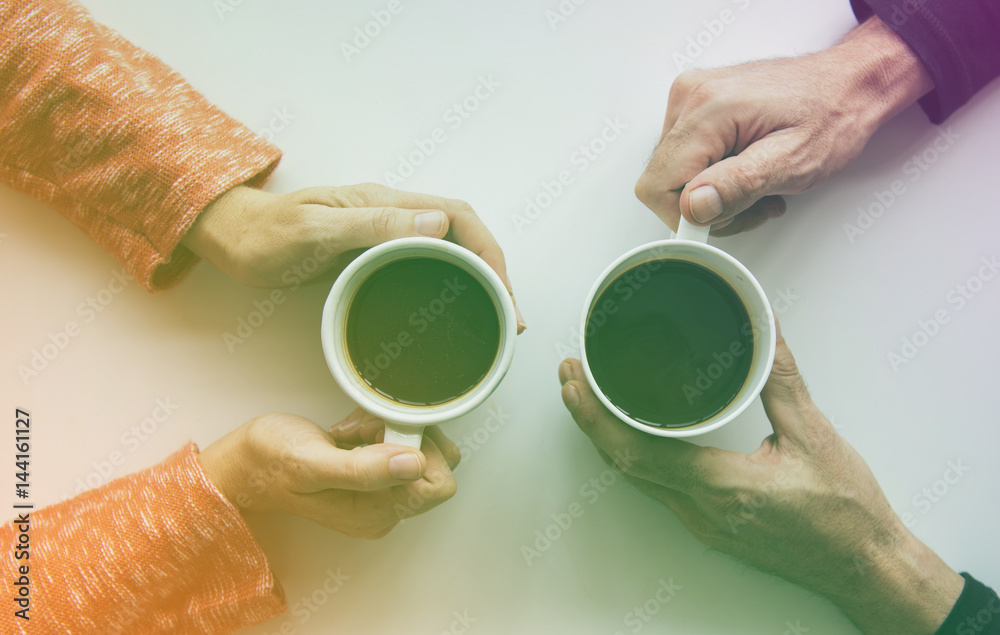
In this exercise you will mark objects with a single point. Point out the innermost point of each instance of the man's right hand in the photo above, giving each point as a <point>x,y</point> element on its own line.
<point>736,139</point>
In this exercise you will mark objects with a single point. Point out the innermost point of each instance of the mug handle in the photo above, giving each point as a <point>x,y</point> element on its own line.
<point>695,233</point>
<point>401,434</point>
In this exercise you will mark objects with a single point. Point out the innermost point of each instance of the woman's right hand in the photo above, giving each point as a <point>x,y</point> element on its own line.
<point>341,479</point>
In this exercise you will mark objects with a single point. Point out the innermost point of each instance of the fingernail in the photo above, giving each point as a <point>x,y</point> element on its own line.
<point>405,467</point>
<point>565,372</point>
<point>346,426</point>
<point>429,223</point>
<point>571,397</point>
<point>520,319</point>
<point>705,203</point>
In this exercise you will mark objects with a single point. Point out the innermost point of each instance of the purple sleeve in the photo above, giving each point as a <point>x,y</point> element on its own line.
<point>958,42</point>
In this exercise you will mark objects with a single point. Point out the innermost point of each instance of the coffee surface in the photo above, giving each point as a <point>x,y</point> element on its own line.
<point>670,343</point>
<point>422,331</point>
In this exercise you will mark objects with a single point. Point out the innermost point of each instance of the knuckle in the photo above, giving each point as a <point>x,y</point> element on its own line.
<point>447,489</point>
<point>644,188</point>
<point>705,93</point>
<point>684,83</point>
<point>746,179</point>
<point>361,195</point>
<point>372,189</point>
<point>359,475</point>
<point>297,471</point>
<point>459,206</point>
<point>384,220</point>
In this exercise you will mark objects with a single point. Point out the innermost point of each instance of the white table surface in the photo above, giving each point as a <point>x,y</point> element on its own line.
<point>854,303</point>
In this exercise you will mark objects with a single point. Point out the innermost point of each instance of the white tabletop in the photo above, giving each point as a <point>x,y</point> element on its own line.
<point>552,90</point>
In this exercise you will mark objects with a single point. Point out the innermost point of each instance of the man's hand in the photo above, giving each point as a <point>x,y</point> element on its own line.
<point>736,139</point>
<point>278,240</point>
<point>281,462</point>
<point>804,505</point>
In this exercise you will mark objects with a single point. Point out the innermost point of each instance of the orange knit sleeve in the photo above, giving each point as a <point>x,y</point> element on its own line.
<point>113,138</point>
<point>160,551</point>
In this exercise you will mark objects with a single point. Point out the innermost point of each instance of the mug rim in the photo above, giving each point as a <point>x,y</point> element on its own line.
<point>335,315</point>
<point>748,395</point>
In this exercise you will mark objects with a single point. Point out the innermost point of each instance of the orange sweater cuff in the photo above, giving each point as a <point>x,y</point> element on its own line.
<point>153,552</point>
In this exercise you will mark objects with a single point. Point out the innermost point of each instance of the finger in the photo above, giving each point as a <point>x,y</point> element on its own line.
<point>666,495</point>
<point>682,87</point>
<point>677,502</point>
<point>448,449</point>
<point>437,486</point>
<point>464,225</point>
<point>786,399</point>
<point>666,204</point>
<point>669,462</point>
<point>468,230</point>
<point>355,429</point>
<point>357,227</point>
<point>365,431</point>
<point>748,220</point>
<point>366,468</point>
<point>731,185</point>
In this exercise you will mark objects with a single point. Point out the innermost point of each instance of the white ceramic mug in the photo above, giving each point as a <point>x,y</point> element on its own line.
<point>404,422</point>
<point>690,245</point>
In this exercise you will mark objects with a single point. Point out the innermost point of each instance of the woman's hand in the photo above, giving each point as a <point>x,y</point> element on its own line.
<point>279,240</point>
<point>340,479</point>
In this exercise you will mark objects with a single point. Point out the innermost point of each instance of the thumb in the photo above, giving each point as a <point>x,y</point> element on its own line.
<point>366,468</point>
<point>785,396</point>
<point>357,228</point>
<point>733,185</point>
